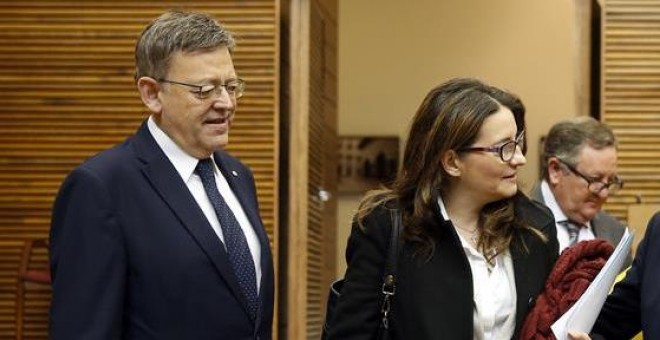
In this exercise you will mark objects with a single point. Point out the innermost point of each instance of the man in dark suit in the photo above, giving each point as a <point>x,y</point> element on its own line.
<point>160,237</point>
<point>579,174</point>
<point>634,304</point>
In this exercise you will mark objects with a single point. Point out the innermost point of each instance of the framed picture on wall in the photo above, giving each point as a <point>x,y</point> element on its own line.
<point>366,162</point>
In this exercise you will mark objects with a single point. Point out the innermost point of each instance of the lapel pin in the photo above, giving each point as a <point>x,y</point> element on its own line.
<point>233,172</point>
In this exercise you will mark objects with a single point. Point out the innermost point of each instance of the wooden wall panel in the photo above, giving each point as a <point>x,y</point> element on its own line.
<point>313,152</point>
<point>631,97</point>
<point>66,78</point>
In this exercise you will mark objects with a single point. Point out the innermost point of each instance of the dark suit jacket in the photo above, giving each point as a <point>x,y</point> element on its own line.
<point>634,304</point>
<point>133,256</point>
<point>604,225</point>
<point>434,299</point>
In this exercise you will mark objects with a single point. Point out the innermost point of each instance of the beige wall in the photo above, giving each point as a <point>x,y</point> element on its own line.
<point>392,52</point>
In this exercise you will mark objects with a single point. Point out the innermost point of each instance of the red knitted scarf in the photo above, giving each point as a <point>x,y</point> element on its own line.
<point>574,270</point>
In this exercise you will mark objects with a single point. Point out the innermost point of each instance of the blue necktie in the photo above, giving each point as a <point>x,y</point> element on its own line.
<point>573,231</point>
<point>235,241</point>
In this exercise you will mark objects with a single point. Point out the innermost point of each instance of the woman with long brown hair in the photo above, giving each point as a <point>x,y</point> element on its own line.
<point>475,251</point>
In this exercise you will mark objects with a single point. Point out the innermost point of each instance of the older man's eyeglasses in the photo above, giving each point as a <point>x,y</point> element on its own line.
<point>594,184</point>
<point>234,88</point>
<point>506,150</point>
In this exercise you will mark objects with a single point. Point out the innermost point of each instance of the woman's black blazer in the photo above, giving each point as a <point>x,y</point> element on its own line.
<point>434,298</point>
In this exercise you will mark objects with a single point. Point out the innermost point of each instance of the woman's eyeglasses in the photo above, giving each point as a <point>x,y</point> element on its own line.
<point>506,150</point>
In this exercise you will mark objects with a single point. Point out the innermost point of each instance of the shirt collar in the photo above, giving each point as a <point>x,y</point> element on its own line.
<point>445,216</point>
<point>443,209</point>
<point>551,203</point>
<point>183,163</point>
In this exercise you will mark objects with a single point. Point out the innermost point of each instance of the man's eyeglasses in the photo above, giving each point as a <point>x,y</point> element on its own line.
<point>234,88</point>
<point>506,150</point>
<point>593,184</point>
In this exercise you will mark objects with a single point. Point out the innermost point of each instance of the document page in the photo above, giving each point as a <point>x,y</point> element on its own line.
<point>582,316</point>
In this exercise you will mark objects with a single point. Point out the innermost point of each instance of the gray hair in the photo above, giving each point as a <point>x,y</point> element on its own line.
<point>176,31</point>
<point>567,138</point>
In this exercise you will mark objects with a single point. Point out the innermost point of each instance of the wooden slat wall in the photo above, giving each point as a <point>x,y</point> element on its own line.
<point>313,162</point>
<point>322,150</point>
<point>66,81</point>
<point>328,98</point>
<point>631,97</point>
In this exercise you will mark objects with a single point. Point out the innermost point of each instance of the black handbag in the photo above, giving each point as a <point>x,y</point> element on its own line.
<point>388,288</point>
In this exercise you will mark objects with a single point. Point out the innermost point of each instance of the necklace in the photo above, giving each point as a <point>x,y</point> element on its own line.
<point>473,238</point>
<point>471,235</point>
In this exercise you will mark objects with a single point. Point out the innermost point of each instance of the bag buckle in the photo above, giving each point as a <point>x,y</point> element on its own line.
<point>389,288</point>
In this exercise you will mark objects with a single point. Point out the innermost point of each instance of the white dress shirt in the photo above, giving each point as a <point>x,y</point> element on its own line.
<point>494,291</point>
<point>185,166</point>
<point>586,232</point>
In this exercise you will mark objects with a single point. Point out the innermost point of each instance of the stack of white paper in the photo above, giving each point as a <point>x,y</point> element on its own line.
<point>582,316</point>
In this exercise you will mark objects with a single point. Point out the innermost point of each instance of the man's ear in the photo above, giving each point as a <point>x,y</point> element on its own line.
<point>555,170</point>
<point>149,88</point>
<point>451,163</point>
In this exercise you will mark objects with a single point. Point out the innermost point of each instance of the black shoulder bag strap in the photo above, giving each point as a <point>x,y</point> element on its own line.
<point>389,279</point>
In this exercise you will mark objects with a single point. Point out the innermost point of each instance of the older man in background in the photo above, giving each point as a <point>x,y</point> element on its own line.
<point>579,174</point>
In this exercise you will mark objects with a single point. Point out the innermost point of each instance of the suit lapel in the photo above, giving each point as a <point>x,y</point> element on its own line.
<point>236,177</point>
<point>240,185</point>
<point>598,231</point>
<point>520,263</point>
<point>167,182</point>
<point>537,194</point>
